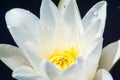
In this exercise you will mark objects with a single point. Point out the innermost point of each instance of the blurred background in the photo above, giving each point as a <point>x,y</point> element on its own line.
<point>111,33</point>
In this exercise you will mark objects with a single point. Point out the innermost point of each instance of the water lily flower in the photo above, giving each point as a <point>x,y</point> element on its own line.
<point>60,45</point>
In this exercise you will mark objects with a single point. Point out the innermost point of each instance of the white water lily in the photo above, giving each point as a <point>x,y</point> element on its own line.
<point>59,45</point>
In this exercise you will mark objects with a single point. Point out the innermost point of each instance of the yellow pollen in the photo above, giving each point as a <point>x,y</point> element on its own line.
<point>63,59</point>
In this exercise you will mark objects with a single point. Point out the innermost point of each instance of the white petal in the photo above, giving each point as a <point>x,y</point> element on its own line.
<point>91,41</point>
<point>92,33</point>
<point>77,71</point>
<point>49,17</point>
<point>91,50</point>
<point>71,16</point>
<point>80,71</point>
<point>63,7</point>
<point>49,13</point>
<point>68,32</point>
<point>23,26</point>
<point>21,18</point>
<point>27,73</point>
<point>74,71</point>
<point>12,56</point>
<point>94,24</point>
<point>110,55</point>
<point>103,75</point>
<point>50,70</point>
<point>98,11</point>
<point>90,38</point>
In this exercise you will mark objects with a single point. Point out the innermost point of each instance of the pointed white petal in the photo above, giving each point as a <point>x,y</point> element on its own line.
<point>62,4</point>
<point>69,31</point>
<point>23,26</point>
<point>91,44</point>
<point>90,38</point>
<point>103,75</point>
<point>92,33</point>
<point>49,13</point>
<point>91,41</point>
<point>97,12</point>
<point>71,16</point>
<point>110,55</point>
<point>12,56</point>
<point>94,23</point>
<point>27,73</point>
<point>21,18</point>
<point>94,52</point>
<point>49,17</point>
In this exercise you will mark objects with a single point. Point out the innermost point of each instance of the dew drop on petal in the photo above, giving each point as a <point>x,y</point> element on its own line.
<point>28,12</point>
<point>9,26</point>
<point>95,13</point>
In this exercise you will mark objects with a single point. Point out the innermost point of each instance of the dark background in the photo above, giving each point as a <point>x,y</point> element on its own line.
<point>111,33</point>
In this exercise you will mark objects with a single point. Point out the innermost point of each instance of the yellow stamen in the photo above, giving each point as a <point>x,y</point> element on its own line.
<point>64,59</point>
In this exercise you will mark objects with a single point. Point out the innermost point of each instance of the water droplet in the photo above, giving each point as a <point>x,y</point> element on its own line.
<point>28,12</point>
<point>9,26</point>
<point>95,13</point>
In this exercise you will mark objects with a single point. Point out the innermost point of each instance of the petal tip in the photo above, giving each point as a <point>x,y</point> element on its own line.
<point>13,11</point>
<point>102,3</point>
<point>12,15</point>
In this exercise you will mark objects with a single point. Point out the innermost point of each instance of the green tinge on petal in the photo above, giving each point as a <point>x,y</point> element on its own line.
<point>62,3</point>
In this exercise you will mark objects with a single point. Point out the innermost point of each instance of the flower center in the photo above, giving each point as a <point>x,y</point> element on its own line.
<point>63,59</point>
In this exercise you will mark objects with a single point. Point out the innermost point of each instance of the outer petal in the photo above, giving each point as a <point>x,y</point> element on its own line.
<point>103,75</point>
<point>98,11</point>
<point>49,17</point>
<point>23,26</point>
<point>89,39</point>
<point>70,32</point>
<point>27,73</point>
<point>93,23</point>
<point>110,55</point>
<point>91,50</point>
<point>12,56</point>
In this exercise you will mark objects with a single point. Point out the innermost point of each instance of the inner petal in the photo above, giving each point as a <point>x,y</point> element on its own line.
<point>64,58</point>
